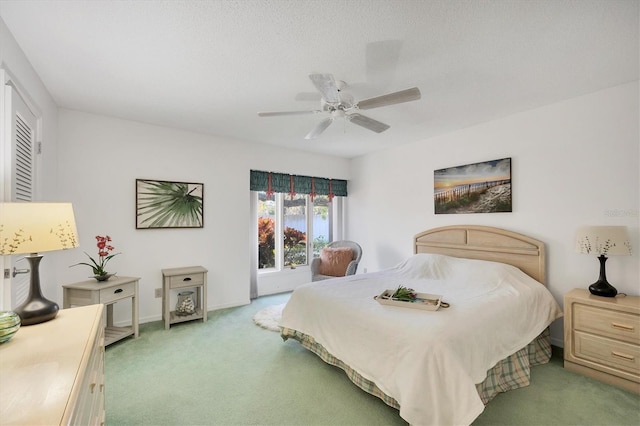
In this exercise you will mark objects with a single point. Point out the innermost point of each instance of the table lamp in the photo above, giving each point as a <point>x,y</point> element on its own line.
<point>603,241</point>
<point>32,228</point>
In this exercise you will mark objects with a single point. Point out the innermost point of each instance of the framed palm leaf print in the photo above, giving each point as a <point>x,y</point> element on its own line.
<point>164,204</point>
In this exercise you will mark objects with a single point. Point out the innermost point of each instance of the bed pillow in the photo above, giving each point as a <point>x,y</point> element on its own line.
<point>427,266</point>
<point>334,261</point>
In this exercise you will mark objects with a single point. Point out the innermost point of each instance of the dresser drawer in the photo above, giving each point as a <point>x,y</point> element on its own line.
<point>614,324</point>
<point>111,294</point>
<point>612,353</point>
<point>186,280</point>
<point>88,409</point>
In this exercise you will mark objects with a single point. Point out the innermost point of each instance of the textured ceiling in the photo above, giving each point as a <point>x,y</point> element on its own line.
<point>210,66</point>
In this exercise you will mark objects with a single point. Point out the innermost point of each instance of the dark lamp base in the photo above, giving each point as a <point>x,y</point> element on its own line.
<point>36,308</point>
<point>35,311</point>
<point>603,288</point>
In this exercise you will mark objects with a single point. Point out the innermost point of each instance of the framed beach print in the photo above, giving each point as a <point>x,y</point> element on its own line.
<point>473,188</point>
<point>164,204</point>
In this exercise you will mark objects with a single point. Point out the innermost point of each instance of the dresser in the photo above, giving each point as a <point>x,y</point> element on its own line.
<point>108,293</point>
<point>602,337</point>
<point>53,373</point>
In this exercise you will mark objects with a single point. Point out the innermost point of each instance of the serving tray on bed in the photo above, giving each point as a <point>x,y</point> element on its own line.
<point>424,301</point>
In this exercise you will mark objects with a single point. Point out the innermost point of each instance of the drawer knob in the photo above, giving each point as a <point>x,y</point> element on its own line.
<point>92,387</point>
<point>118,291</point>
<point>187,279</point>
<point>626,357</point>
<point>623,327</point>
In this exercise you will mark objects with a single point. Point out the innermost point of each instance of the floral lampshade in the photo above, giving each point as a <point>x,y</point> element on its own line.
<point>32,228</point>
<point>36,227</point>
<point>603,240</point>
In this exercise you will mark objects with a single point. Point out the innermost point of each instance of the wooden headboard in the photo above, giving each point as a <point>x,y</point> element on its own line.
<point>485,243</point>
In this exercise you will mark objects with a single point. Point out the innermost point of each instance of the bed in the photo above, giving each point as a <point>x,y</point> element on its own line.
<point>436,367</point>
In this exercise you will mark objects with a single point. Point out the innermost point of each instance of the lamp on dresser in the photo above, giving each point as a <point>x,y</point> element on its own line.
<point>33,228</point>
<point>603,241</point>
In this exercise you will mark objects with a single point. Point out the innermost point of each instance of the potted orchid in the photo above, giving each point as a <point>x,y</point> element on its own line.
<point>98,266</point>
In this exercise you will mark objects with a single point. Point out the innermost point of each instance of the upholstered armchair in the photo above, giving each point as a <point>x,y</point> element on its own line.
<point>337,259</point>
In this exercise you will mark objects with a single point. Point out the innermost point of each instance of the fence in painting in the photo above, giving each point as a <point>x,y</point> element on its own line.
<point>462,191</point>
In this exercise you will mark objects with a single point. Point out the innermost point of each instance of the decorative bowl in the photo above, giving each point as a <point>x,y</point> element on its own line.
<point>9,325</point>
<point>104,277</point>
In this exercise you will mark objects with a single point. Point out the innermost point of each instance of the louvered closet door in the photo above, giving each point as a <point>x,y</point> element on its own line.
<point>21,170</point>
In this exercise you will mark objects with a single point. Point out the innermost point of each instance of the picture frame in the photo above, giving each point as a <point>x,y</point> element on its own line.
<point>169,204</point>
<point>474,188</point>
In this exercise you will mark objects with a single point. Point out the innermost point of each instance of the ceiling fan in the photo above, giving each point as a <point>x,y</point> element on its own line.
<point>341,104</point>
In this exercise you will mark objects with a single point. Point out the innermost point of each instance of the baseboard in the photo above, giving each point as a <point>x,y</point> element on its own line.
<point>274,292</point>
<point>158,317</point>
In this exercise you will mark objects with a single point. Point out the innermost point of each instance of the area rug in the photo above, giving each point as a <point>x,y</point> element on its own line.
<point>269,317</point>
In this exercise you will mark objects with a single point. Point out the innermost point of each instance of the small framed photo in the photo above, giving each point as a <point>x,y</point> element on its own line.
<point>165,204</point>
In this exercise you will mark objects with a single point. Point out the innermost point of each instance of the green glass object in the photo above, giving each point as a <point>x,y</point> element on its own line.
<point>9,325</point>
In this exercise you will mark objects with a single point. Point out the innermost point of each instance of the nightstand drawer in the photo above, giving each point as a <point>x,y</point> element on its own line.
<point>613,353</point>
<point>186,280</point>
<point>111,294</point>
<point>614,324</point>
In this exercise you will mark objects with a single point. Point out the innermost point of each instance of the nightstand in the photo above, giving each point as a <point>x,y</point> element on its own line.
<point>602,337</point>
<point>106,292</point>
<point>179,279</point>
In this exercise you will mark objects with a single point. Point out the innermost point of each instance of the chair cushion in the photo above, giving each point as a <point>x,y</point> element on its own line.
<point>334,261</point>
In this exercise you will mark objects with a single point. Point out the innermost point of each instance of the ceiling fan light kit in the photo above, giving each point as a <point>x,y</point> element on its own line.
<point>340,104</point>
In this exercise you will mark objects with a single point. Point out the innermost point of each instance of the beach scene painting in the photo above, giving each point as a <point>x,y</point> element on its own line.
<point>473,188</point>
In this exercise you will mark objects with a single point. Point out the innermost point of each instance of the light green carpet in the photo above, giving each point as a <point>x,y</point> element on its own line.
<point>229,371</point>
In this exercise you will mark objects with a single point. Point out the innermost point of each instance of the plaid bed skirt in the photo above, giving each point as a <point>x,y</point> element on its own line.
<point>511,373</point>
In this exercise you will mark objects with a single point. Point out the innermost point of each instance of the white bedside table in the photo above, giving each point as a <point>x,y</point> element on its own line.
<point>184,278</point>
<point>602,337</point>
<point>108,292</point>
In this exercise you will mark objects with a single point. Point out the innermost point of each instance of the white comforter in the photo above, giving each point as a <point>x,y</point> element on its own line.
<point>429,361</point>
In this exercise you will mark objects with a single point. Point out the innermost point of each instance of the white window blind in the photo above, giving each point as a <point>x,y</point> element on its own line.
<point>23,166</point>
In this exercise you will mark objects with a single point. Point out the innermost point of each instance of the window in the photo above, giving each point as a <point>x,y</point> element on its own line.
<point>322,223</point>
<point>292,230</point>
<point>266,231</point>
<point>295,230</point>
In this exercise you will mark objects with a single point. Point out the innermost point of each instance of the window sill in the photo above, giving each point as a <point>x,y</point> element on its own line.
<point>284,271</point>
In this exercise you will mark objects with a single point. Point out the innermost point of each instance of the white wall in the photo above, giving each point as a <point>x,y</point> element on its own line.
<point>99,161</point>
<point>573,163</point>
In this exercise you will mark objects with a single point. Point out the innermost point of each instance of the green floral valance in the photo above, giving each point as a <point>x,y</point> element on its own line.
<point>294,184</point>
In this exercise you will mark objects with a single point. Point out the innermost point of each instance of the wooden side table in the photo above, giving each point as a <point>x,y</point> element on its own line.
<point>108,292</point>
<point>180,279</point>
<point>602,337</point>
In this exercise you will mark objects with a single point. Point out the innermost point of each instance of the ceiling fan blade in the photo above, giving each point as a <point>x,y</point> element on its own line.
<point>368,123</point>
<point>326,85</point>
<point>278,113</point>
<point>407,95</point>
<point>321,127</point>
